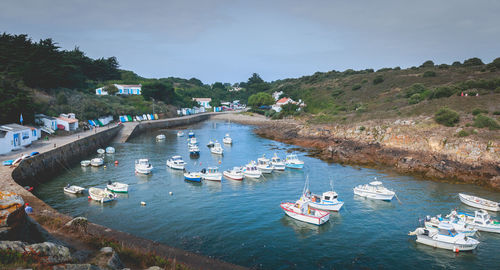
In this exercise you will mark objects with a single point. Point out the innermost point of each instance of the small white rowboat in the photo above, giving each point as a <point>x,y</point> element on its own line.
<point>479,202</point>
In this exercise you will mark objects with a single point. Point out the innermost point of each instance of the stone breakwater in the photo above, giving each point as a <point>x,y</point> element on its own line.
<point>408,146</point>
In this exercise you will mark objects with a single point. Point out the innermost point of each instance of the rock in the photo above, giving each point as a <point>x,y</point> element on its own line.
<point>114,262</point>
<point>107,250</point>
<point>154,268</point>
<point>78,221</point>
<point>12,215</point>
<point>76,267</point>
<point>13,245</point>
<point>53,253</point>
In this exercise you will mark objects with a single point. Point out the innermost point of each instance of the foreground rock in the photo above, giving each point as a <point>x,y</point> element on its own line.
<point>12,215</point>
<point>48,252</point>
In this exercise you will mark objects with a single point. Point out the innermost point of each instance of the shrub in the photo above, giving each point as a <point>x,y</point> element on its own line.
<point>496,113</point>
<point>397,68</point>
<point>446,117</point>
<point>473,62</point>
<point>337,92</point>
<point>456,64</point>
<point>427,63</point>
<point>416,88</point>
<point>477,111</point>
<point>364,81</point>
<point>378,79</point>
<point>440,92</point>
<point>443,66</point>
<point>415,98</point>
<point>482,121</point>
<point>429,73</point>
<point>362,128</point>
<point>356,87</point>
<point>462,133</point>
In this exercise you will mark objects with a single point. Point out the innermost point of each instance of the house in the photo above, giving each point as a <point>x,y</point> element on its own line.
<point>67,122</point>
<point>123,89</point>
<point>14,136</point>
<point>285,100</point>
<point>205,102</point>
<point>47,123</point>
<point>235,89</point>
<point>276,95</point>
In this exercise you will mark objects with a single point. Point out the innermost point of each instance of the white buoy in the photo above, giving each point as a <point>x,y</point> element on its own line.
<point>143,203</point>
<point>171,193</point>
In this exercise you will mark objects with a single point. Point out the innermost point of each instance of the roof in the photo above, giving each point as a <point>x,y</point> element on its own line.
<point>282,100</point>
<point>202,99</point>
<point>130,85</point>
<point>69,120</point>
<point>13,127</point>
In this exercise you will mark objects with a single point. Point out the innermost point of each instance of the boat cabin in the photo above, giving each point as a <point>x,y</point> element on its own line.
<point>210,170</point>
<point>263,161</point>
<point>447,229</point>
<point>292,157</point>
<point>143,161</point>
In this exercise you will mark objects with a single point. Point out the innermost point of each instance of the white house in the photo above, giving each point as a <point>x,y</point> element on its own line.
<point>14,136</point>
<point>47,123</point>
<point>123,89</point>
<point>205,102</point>
<point>235,89</point>
<point>68,121</point>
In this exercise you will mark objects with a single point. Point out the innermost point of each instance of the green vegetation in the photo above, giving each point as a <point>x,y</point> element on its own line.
<point>483,121</point>
<point>463,133</point>
<point>378,79</point>
<point>446,117</point>
<point>259,99</point>
<point>429,73</point>
<point>477,111</point>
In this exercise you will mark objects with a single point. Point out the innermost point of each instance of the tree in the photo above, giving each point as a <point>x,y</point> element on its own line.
<point>111,89</point>
<point>160,91</point>
<point>259,99</point>
<point>427,64</point>
<point>473,62</point>
<point>215,102</point>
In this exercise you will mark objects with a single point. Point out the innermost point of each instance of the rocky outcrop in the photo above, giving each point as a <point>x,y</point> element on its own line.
<point>12,215</point>
<point>48,252</point>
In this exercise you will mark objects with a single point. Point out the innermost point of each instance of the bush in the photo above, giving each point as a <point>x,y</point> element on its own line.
<point>462,133</point>
<point>429,73</point>
<point>473,62</point>
<point>456,64</point>
<point>356,87</point>
<point>337,92</point>
<point>496,113</point>
<point>415,98</point>
<point>362,128</point>
<point>378,79</point>
<point>441,92</point>
<point>446,117</point>
<point>477,111</point>
<point>427,63</point>
<point>416,88</point>
<point>482,121</point>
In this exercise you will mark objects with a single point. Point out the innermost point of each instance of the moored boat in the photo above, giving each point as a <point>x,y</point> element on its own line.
<point>176,163</point>
<point>293,162</point>
<point>180,133</point>
<point>264,165</point>
<point>143,166</point>
<point>210,144</point>
<point>211,174</point>
<point>277,163</point>
<point>191,134</point>
<point>101,195</point>
<point>161,137</point>
<point>96,162</point>
<point>250,170</point>
<point>117,187</point>
<point>227,139</point>
<point>192,176</point>
<point>110,150</point>
<point>374,190</point>
<point>481,221</point>
<point>73,189</point>
<point>480,203</point>
<point>101,151</point>
<point>85,163</point>
<point>459,225</point>
<point>217,149</point>
<point>194,151</point>
<point>301,210</point>
<point>235,173</point>
<point>445,237</point>
<point>326,201</point>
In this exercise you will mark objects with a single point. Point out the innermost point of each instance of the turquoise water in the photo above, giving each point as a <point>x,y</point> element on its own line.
<point>242,222</point>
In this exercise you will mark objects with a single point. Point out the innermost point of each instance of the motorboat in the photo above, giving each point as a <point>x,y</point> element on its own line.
<point>85,163</point>
<point>374,190</point>
<point>264,165</point>
<point>459,225</point>
<point>210,144</point>
<point>194,150</point>
<point>101,195</point>
<point>96,162</point>
<point>73,189</point>
<point>192,176</point>
<point>143,166</point>
<point>217,149</point>
<point>161,137</point>
<point>211,174</point>
<point>101,151</point>
<point>176,162</point>
<point>479,202</point>
<point>445,237</point>
<point>326,201</point>
<point>110,150</point>
<point>293,162</point>
<point>192,141</point>
<point>180,133</point>
<point>227,139</point>
<point>250,170</point>
<point>117,187</point>
<point>277,163</point>
<point>191,134</point>
<point>302,211</point>
<point>481,221</point>
<point>235,173</point>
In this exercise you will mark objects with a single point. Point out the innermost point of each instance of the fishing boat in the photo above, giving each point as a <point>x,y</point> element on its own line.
<point>211,174</point>
<point>293,162</point>
<point>301,210</point>
<point>194,151</point>
<point>192,176</point>
<point>85,163</point>
<point>481,221</point>
<point>250,170</point>
<point>227,139</point>
<point>143,166</point>
<point>176,162</point>
<point>217,149</point>
<point>277,163</point>
<point>264,164</point>
<point>479,202</point>
<point>445,237</point>
<point>457,223</point>
<point>161,137</point>
<point>192,141</point>
<point>110,150</point>
<point>191,134</point>
<point>101,151</point>
<point>101,195</point>
<point>374,190</point>
<point>117,187</point>
<point>180,133</point>
<point>235,173</point>
<point>73,189</point>
<point>96,162</point>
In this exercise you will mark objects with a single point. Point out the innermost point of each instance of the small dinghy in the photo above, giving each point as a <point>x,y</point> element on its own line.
<point>217,149</point>
<point>85,163</point>
<point>277,163</point>
<point>235,174</point>
<point>250,170</point>
<point>192,176</point>
<point>459,225</point>
<point>211,174</point>
<point>160,137</point>
<point>96,162</point>
<point>481,221</point>
<point>194,151</point>
<point>227,139</point>
<point>180,133</point>
<point>293,162</point>
<point>176,163</point>
<point>445,237</point>
<point>117,187</point>
<point>264,164</point>
<point>374,190</point>
<point>101,195</point>
<point>110,150</point>
<point>143,166</point>
<point>479,202</point>
<point>303,212</point>
<point>101,151</point>
<point>73,189</point>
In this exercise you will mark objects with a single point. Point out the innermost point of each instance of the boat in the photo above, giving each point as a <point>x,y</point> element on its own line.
<point>176,162</point>
<point>7,162</point>
<point>180,133</point>
<point>326,201</point>
<point>301,210</point>
<point>277,163</point>
<point>192,141</point>
<point>457,223</point>
<point>250,170</point>
<point>227,139</point>
<point>481,221</point>
<point>143,166</point>
<point>161,137</point>
<point>110,150</point>
<point>479,202</point>
<point>194,151</point>
<point>235,173</point>
<point>293,162</point>
<point>264,164</point>
<point>117,187</point>
<point>101,195</point>
<point>73,189</point>
<point>210,144</point>
<point>101,151</point>
<point>192,176</point>
<point>191,134</point>
<point>211,174</point>
<point>217,149</point>
<point>85,163</point>
<point>374,190</point>
<point>445,237</point>
<point>96,162</point>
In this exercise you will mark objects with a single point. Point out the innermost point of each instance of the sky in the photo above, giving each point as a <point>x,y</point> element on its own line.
<point>228,40</point>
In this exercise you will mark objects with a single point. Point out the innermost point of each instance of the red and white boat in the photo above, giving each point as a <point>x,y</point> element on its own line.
<point>301,210</point>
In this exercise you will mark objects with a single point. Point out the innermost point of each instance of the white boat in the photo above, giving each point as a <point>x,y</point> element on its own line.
<point>227,139</point>
<point>235,173</point>
<point>194,150</point>
<point>480,221</point>
<point>101,195</point>
<point>277,163</point>
<point>250,170</point>
<point>264,164</point>
<point>479,202</point>
<point>110,150</point>
<point>211,174</point>
<point>73,189</point>
<point>303,212</point>
<point>459,225</point>
<point>143,166</point>
<point>374,190</point>
<point>85,163</point>
<point>293,162</point>
<point>101,151</point>
<point>96,162</point>
<point>161,137</point>
<point>445,237</point>
<point>210,144</point>
<point>176,162</point>
<point>117,187</point>
<point>327,201</point>
<point>192,141</point>
<point>217,149</point>
<point>180,133</point>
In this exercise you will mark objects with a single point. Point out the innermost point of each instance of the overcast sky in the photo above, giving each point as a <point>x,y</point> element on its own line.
<point>227,41</point>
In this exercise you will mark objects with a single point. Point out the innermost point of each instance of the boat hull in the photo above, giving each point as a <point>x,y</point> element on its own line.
<point>265,169</point>
<point>333,206</point>
<point>100,195</point>
<point>118,189</point>
<point>279,167</point>
<point>426,240</point>
<point>464,199</point>
<point>252,175</point>
<point>141,170</point>
<point>302,217</point>
<point>73,190</point>
<point>375,196</point>
<point>232,176</point>
<point>192,179</point>
<point>294,166</point>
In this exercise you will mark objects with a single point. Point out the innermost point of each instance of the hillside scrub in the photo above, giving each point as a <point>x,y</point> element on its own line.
<point>447,117</point>
<point>483,121</point>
